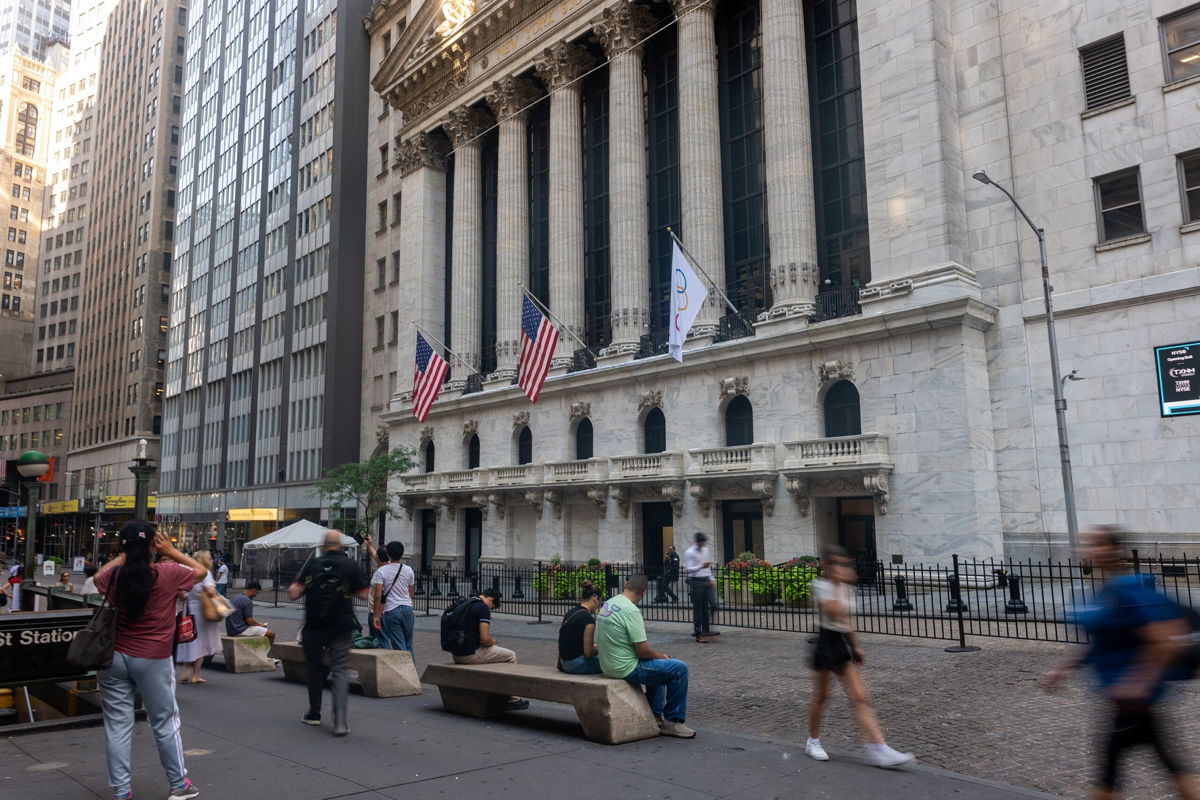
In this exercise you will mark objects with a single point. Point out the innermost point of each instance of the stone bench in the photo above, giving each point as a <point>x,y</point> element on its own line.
<point>247,654</point>
<point>381,673</point>
<point>610,711</point>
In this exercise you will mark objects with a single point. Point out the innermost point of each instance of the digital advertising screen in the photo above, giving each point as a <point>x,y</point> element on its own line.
<point>1178,381</point>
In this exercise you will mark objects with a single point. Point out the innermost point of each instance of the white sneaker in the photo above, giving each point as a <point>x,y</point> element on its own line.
<point>814,750</point>
<point>676,729</point>
<point>884,756</point>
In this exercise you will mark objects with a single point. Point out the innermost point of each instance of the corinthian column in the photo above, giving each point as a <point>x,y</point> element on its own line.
<point>791,209</point>
<point>508,99</point>
<point>464,127</point>
<point>559,68</point>
<point>700,150</point>
<point>621,29</point>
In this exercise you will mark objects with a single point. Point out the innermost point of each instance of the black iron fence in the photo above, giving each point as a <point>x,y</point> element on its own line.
<point>968,597</point>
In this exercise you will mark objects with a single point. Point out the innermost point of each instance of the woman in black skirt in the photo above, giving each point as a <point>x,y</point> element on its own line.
<point>837,653</point>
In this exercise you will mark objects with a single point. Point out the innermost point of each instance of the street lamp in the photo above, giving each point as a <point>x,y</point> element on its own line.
<point>1060,401</point>
<point>142,471</point>
<point>32,464</point>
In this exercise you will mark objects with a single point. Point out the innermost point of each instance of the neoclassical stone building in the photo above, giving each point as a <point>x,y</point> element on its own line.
<point>879,373</point>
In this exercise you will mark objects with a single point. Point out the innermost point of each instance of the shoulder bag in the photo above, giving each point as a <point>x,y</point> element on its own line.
<point>216,608</point>
<point>92,647</point>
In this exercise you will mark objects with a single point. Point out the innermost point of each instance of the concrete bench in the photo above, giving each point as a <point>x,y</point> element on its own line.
<point>610,711</point>
<point>381,673</point>
<point>247,654</point>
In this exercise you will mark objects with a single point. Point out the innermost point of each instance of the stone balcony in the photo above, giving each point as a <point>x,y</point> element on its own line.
<point>517,476</point>
<point>738,460</point>
<point>717,473</point>
<point>575,473</point>
<point>646,467</point>
<point>838,466</point>
<point>464,480</point>
<point>420,482</point>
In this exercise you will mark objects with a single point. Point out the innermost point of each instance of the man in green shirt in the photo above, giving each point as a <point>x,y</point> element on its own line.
<point>625,654</point>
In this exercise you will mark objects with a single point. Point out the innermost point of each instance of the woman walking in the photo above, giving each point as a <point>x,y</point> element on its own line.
<point>208,633</point>
<point>144,595</point>
<point>391,592</point>
<point>1133,632</point>
<point>838,653</point>
<point>577,651</point>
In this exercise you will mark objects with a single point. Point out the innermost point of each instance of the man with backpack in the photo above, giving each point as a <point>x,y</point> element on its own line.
<point>328,585</point>
<point>466,635</point>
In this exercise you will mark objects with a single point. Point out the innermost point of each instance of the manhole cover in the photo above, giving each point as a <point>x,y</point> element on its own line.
<point>47,766</point>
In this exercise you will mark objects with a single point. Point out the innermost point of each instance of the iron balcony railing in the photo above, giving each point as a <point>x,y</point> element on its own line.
<point>837,303</point>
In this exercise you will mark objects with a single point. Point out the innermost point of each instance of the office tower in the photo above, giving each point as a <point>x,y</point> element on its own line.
<point>263,367</point>
<point>30,27</point>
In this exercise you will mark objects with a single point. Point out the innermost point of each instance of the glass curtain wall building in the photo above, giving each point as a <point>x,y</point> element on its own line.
<point>264,353</point>
<point>29,27</point>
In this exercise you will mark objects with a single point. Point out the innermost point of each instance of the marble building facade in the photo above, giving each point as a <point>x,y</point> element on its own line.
<point>882,379</point>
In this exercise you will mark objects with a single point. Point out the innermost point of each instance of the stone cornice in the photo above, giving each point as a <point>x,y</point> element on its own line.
<point>382,13</point>
<point>959,311</point>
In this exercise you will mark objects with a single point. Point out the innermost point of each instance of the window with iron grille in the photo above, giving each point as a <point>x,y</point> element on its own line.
<point>1181,44</point>
<point>1119,205</point>
<point>1105,72</point>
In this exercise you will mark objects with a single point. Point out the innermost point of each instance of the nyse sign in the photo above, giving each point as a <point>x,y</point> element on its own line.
<point>1178,379</point>
<point>535,27</point>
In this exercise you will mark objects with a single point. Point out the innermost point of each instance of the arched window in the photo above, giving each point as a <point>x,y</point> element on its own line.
<point>429,454</point>
<point>583,439</point>
<point>27,123</point>
<point>525,446</point>
<point>473,452</point>
<point>739,422</point>
<point>843,415</point>
<point>654,431</point>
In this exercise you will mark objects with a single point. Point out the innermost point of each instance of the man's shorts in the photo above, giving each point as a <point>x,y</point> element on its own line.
<point>254,630</point>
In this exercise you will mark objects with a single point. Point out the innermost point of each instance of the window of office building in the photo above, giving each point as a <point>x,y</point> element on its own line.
<point>1119,205</point>
<point>1181,44</point>
<point>1189,184</point>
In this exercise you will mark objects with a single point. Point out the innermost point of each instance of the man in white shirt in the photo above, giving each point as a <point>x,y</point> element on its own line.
<point>697,565</point>
<point>223,578</point>
<point>392,605</point>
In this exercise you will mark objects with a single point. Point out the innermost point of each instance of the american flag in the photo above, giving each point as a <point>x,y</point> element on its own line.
<point>538,340</point>
<point>427,379</point>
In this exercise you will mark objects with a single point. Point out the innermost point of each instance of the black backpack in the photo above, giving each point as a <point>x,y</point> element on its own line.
<point>326,593</point>
<point>455,637</point>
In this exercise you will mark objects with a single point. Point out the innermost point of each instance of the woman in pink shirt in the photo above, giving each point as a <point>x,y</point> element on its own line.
<point>144,594</point>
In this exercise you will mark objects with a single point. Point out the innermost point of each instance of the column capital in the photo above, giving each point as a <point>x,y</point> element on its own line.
<point>562,63</point>
<point>509,96</point>
<point>466,123</point>
<point>422,150</point>
<point>681,7</point>
<point>622,27</point>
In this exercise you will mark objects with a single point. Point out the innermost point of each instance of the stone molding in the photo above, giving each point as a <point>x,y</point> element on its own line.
<point>622,28</point>
<point>562,63</point>
<point>580,410</point>
<point>466,123</point>
<point>804,489</point>
<point>470,428</point>
<point>426,435</point>
<point>510,97</point>
<point>422,150</point>
<point>732,387</point>
<point>649,400</point>
<point>520,420</point>
<point>681,7</point>
<point>833,371</point>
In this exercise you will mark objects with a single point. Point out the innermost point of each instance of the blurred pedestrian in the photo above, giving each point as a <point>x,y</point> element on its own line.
<point>64,582</point>
<point>328,585</point>
<point>89,579</point>
<point>208,632</point>
<point>392,606</point>
<point>577,653</point>
<point>222,579</point>
<point>16,574</point>
<point>698,565</point>
<point>666,580</point>
<point>1133,633</point>
<point>144,595</point>
<point>838,653</point>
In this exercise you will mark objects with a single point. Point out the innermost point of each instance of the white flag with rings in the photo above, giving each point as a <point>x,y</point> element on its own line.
<point>688,293</point>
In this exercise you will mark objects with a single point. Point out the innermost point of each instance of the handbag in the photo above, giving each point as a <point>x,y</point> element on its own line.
<point>185,629</point>
<point>92,647</point>
<point>216,608</point>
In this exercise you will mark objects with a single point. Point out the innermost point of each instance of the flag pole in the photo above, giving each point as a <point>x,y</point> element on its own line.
<point>550,314</point>
<point>429,335</point>
<point>696,264</point>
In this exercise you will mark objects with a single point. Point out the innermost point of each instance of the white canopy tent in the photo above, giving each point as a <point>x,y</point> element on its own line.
<point>281,554</point>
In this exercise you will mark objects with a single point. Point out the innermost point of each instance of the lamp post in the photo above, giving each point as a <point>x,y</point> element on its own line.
<point>142,471</point>
<point>1060,401</point>
<point>32,464</point>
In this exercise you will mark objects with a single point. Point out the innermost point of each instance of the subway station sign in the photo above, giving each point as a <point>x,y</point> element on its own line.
<point>34,646</point>
<point>1178,379</point>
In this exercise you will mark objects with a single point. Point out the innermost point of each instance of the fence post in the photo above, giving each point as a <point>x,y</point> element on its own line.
<point>1015,604</point>
<point>277,584</point>
<point>902,603</point>
<point>956,593</point>
<point>518,593</point>
<point>428,595</point>
<point>452,592</point>
<point>539,588</point>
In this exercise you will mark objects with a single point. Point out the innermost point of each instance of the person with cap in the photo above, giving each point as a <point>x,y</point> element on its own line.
<point>698,566</point>
<point>328,585</point>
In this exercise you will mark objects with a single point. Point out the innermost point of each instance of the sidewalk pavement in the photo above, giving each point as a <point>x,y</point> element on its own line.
<point>243,739</point>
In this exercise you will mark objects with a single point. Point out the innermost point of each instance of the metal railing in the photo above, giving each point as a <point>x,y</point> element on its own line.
<point>736,325</point>
<point>836,303</point>
<point>582,359</point>
<point>652,344</point>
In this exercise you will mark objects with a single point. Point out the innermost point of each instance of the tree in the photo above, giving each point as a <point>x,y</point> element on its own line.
<point>366,484</point>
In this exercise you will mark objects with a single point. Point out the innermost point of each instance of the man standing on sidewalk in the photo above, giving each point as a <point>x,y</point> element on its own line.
<point>328,585</point>
<point>697,565</point>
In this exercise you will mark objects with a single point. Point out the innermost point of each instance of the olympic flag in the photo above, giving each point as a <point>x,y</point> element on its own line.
<point>688,294</point>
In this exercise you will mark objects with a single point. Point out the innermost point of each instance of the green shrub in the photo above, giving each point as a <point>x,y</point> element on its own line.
<point>560,581</point>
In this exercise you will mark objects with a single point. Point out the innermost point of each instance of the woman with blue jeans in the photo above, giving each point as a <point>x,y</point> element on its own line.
<point>391,592</point>
<point>577,653</point>
<point>144,595</point>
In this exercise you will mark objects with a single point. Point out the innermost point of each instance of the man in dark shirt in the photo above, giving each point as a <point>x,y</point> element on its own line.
<point>479,642</point>
<point>328,585</point>
<point>670,574</point>
<point>242,622</point>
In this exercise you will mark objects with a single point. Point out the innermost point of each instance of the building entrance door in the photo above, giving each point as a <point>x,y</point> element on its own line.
<point>657,534</point>
<point>473,522</point>
<point>743,528</point>
<point>428,538</point>
<point>856,527</point>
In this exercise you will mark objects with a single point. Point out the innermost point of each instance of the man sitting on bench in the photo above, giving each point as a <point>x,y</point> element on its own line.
<point>625,654</point>
<point>483,648</point>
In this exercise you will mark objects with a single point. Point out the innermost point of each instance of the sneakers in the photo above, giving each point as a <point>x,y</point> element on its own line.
<point>310,718</point>
<point>519,704</point>
<point>814,750</point>
<point>881,755</point>
<point>676,729</point>
<point>340,729</point>
<point>124,795</point>
<point>185,792</point>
